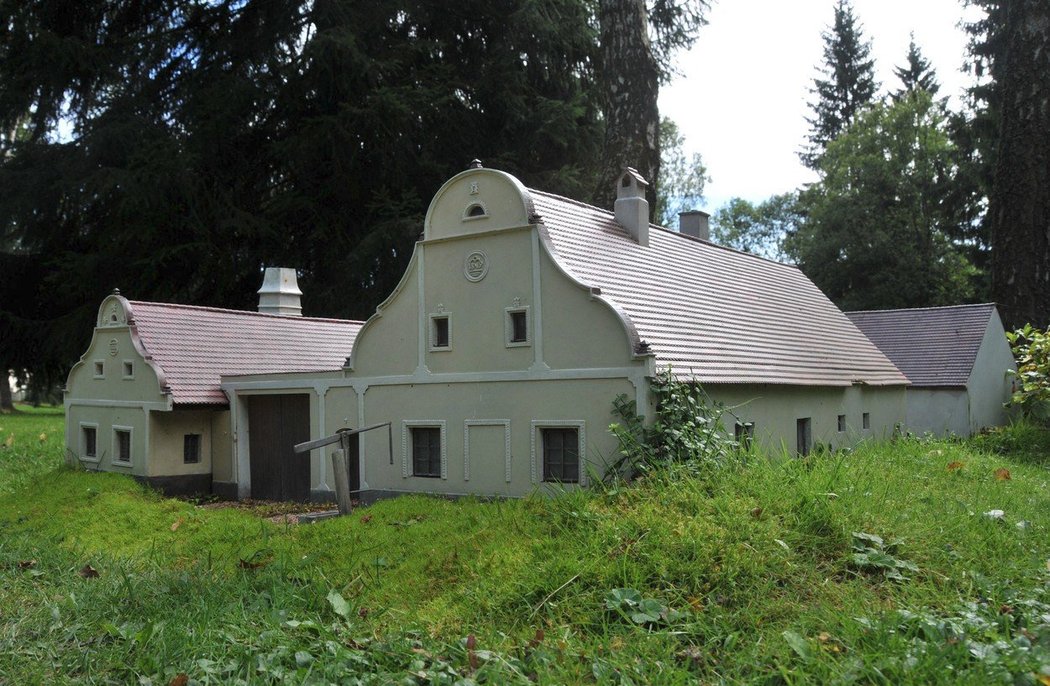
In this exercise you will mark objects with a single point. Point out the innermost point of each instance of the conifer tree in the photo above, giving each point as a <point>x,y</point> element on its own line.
<point>845,86</point>
<point>916,74</point>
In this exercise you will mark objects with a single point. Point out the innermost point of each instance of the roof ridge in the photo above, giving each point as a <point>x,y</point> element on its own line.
<point>226,310</point>
<point>653,225</point>
<point>923,309</point>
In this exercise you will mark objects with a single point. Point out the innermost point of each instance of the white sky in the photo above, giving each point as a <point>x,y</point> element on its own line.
<point>741,99</point>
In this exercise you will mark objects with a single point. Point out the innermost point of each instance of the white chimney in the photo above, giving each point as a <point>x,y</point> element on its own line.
<point>632,209</point>
<point>280,293</point>
<point>695,223</point>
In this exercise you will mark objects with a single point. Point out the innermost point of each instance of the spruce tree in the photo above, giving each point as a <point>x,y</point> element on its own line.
<point>845,86</point>
<point>916,75</point>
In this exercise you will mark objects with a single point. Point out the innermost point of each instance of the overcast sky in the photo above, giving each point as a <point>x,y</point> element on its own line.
<point>741,99</point>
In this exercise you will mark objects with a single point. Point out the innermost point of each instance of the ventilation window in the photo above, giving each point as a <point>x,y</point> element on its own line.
<point>626,182</point>
<point>866,419</point>
<point>516,326</point>
<point>90,435</point>
<point>440,332</point>
<point>474,211</point>
<point>803,436</point>
<point>100,370</point>
<point>122,445</point>
<point>745,434</point>
<point>842,423</point>
<point>129,369</point>
<point>191,448</point>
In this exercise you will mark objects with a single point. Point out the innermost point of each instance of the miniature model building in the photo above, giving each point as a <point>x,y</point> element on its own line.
<point>145,398</point>
<point>522,315</point>
<point>957,359</point>
<point>520,318</point>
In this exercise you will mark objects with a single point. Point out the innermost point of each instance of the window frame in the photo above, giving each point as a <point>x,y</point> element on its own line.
<point>127,368</point>
<point>115,460</point>
<point>841,423</point>
<point>537,448</point>
<point>745,430</point>
<point>84,457</point>
<point>407,456</point>
<point>432,332</point>
<point>199,449</point>
<point>865,419</point>
<point>803,436</point>
<point>100,369</point>
<point>508,327</point>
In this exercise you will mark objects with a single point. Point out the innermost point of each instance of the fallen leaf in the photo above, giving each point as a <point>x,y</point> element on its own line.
<point>363,612</point>
<point>1002,474</point>
<point>10,441</point>
<point>179,680</point>
<point>955,466</point>
<point>690,654</point>
<point>756,513</point>
<point>88,572</point>
<point>1044,679</point>
<point>472,657</point>
<point>177,524</point>
<point>823,637</point>
<point>537,639</point>
<point>27,564</point>
<point>696,604</point>
<point>366,519</point>
<point>246,564</point>
<point>43,437</point>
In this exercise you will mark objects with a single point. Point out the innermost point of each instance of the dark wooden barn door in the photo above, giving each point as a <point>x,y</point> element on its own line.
<point>275,424</point>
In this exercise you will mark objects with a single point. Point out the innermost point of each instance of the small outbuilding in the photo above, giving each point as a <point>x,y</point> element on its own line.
<point>957,359</point>
<point>145,399</point>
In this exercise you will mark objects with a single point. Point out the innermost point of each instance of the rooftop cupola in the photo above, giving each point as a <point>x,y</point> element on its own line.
<point>280,293</point>
<point>632,209</point>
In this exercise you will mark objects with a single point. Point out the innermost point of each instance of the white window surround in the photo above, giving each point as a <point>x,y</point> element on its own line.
<point>116,447</point>
<point>467,216</point>
<point>431,331</point>
<point>100,369</point>
<point>536,443</point>
<point>128,369</point>
<point>83,443</point>
<point>406,445</point>
<point>505,423</point>
<point>508,327</point>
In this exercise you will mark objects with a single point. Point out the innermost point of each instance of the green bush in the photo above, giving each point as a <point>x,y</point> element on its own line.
<point>1031,349</point>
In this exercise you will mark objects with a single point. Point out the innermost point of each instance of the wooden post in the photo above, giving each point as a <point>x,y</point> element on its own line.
<point>342,480</point>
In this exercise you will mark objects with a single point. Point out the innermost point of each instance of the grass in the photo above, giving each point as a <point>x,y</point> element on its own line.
<point>750,575</point>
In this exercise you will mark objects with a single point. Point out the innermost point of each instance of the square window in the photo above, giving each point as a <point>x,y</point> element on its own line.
<point>866,419</point>
<point>517,327</point>
<point>100,370</point>
<point>803,436</point>
<point>123,445</point>
<point>561,455</point>
<point>842,423</point>
<point>90,441</point>
<point>191,448</point>
<point>745,434</point>
<point>426,451</point>
<point>440,332</point>
<point>129,369</point>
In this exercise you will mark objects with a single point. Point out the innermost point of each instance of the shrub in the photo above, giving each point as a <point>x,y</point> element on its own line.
<point>1031,349</point>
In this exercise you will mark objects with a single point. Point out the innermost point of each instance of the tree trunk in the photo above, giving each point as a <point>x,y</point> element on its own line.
<point>1019,204</point>
<point>6,404</point>
<point>630,77</point>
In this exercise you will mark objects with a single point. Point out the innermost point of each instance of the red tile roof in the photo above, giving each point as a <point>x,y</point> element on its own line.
<point>711,313</point>
<point>194,346</point>
<point>933,346</point>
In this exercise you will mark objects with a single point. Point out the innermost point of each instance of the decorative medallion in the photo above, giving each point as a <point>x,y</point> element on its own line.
<point>474,188</point>
<point>476,266</point>
<point>114,348</point>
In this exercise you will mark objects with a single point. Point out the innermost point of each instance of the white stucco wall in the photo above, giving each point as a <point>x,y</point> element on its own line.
<point>990,383</point>
<point>938,411</point>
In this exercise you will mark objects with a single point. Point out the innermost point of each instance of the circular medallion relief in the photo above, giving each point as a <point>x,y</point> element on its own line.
<point>476,266</point>
<point>113,347</point>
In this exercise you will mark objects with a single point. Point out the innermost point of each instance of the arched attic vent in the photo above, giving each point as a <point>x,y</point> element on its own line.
<point>475,210</point>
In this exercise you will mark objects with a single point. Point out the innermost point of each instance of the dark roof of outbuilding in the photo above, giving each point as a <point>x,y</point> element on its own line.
<point>712,313</point>
<point>933,346</point>
<point>194,346</point>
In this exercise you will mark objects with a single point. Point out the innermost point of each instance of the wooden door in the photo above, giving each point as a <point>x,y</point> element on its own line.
<point>275,424</point>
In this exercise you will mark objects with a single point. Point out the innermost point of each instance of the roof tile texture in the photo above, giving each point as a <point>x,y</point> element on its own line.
<point>196,345</point>
<point>711,313</point>
<point>933,346</point>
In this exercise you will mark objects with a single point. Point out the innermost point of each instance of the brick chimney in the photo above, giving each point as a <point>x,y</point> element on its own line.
<point>632,209</point>
<point>280,293</point>
<point>695,223</point>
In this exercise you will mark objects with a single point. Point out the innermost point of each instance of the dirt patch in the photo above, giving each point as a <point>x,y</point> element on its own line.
<point>278,512</point>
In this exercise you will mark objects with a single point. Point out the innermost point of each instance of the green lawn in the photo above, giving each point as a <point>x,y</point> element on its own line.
<point>752,575</point>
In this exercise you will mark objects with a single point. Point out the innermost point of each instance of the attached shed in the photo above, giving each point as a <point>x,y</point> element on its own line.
<point>145,398</point>
<point>957,359</point>
<point>522,315</point>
